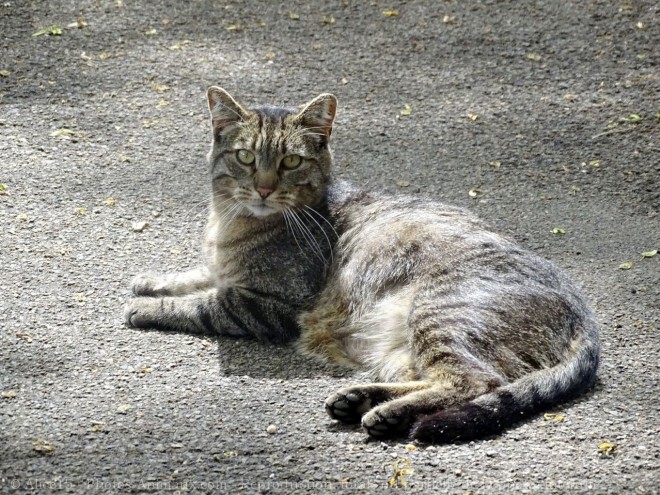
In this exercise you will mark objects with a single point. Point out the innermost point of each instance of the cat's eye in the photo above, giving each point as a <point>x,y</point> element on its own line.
<point>291,161</point>
<point>245,157</point>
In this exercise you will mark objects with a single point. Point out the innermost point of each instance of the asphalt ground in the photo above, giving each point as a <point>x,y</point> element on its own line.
<point>537,115</point>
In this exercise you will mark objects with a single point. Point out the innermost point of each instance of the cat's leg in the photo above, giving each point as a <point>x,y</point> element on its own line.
<point>394,417</point>
<point>234,311</point>
<point>172,284</point>
<point>351,403</point>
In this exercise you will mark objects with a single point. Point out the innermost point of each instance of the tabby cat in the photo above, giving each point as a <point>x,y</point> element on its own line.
<point>462,331</point>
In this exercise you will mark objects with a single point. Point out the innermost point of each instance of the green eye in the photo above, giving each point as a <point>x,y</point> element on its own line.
<point>292,161</point>
<point>245,157</point>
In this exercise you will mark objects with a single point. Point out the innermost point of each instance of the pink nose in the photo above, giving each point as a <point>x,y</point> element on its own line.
<point>264,192</point>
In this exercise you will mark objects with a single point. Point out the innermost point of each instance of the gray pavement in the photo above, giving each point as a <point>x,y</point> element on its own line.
<point>547,111</point>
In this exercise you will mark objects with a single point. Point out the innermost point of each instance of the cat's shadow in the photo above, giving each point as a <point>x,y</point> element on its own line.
<point>241,357</point>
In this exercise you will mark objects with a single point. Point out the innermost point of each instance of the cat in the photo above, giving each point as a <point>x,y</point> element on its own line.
<point>462,331</point>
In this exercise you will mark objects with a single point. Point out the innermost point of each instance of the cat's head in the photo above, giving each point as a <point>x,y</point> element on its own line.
<point>268,159</point>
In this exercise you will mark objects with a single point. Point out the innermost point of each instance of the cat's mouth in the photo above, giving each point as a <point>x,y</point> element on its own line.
<point>262,209</point>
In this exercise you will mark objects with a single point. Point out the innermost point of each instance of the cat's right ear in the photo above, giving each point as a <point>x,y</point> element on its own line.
<point>225,110</point>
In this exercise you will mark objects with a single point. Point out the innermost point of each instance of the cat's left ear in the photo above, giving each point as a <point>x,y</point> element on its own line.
<point>319,114</point>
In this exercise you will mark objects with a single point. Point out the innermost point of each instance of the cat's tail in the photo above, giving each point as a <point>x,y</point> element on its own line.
<point>491,413</point>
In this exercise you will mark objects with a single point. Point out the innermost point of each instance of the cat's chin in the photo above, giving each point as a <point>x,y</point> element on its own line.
<point>261,210</point>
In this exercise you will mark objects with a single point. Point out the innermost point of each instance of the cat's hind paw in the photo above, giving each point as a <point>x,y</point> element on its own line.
<point>379,423</point>
<point>347,405</point>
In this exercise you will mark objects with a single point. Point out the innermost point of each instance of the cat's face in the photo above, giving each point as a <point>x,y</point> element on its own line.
<point>269,159</point>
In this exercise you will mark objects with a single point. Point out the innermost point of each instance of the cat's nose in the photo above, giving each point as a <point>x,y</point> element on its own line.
<point>264,192</point>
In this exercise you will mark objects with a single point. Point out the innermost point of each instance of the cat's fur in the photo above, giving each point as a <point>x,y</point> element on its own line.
<point>463,331</point>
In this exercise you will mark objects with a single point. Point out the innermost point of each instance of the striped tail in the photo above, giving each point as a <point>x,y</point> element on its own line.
<point>493,412</point>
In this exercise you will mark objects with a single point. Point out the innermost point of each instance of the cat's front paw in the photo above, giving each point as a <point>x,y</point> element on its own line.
<point>140,313</point>
<point>148,284</point>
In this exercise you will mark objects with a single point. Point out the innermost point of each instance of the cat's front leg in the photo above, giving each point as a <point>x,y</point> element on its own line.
<point>172,284</point>
<point>235,311</point>
<point>187,313</point>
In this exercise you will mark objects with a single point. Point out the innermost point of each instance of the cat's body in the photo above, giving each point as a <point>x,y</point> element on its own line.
<point>463,331</point>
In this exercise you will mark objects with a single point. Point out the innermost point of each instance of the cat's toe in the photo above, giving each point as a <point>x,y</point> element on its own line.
<point>379,425</point>
<point>347,407</point>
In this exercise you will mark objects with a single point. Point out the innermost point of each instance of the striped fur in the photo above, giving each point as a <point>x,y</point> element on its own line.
<point>461,331</point>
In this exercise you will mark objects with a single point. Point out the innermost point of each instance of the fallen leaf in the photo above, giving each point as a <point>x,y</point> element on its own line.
<point>161,88</point>
<point>5,73</point>
<point>23,217</point>
<point>79,212</point>
<point>294,16</point>
<point>390,13</point>
<point>62,133</point>
<point>448,19</point>
<point>402,183</point>
<point>558,230</point>
<point>634,118</point>
<point>43,447</point>
<point>80,23</point>
<point>234,27</point>
<point>554,417</point>
<point>124,408</point>
<point>145,370</point>
<point>111,201</point>
<point>534,56</point>
<point>649,254</point>
<point>472,116</point>
<point>24,336</point>
<point>163,102</point>
<point>98,426</point>
<point>3,187</point>
<point>575,189</point>
<point>594,163</point>
<point>407,110</point>
<point>8,394</point>
<point>229,454</point>
<point>402,469</point>
<point>328,19</point>
<point>80,297</point>
<point>151,32</point>
<point>626,266</point>
<point>607,448</point>
<point>495,164</point>
<point>473,193</point>
<point>410,447</point>
<point>53,30</point>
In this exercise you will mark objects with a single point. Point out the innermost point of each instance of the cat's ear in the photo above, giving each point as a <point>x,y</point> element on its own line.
<point>225,110</point>
<point>319,113</point>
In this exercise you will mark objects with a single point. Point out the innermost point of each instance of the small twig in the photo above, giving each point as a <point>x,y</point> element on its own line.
<point>612,131</point>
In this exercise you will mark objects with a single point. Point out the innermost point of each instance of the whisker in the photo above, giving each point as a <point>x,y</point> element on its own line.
<point>312,210</point>
<point>322,230</point>
<point>308,236</point>
<point>289,228</point>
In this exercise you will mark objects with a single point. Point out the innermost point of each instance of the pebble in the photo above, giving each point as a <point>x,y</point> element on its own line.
<point>272,429</point>
<point>139,226</point>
